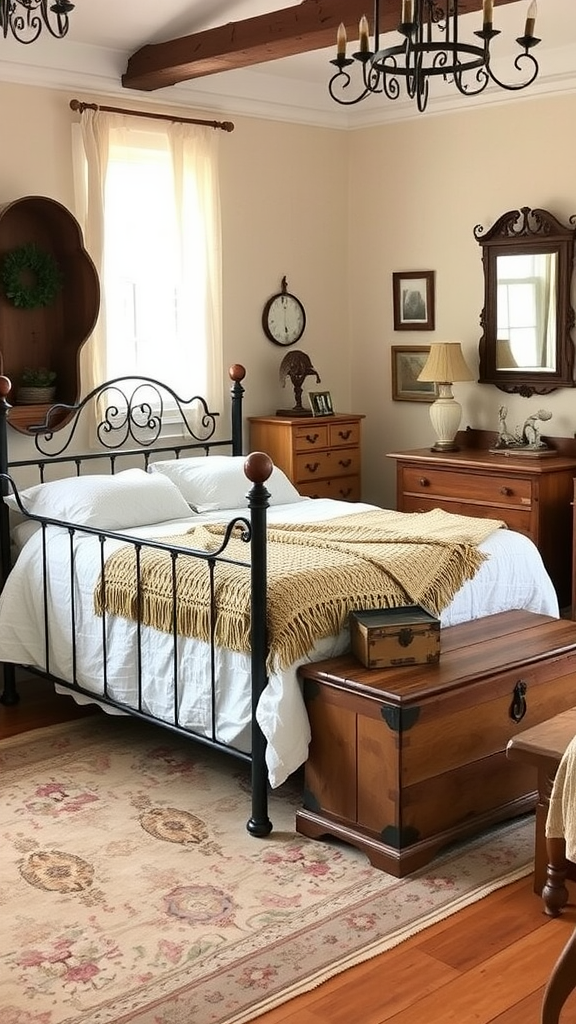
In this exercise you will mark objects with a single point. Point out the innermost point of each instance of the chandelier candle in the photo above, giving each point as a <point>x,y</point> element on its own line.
<point>364,34</point>
<point>487,13</point>
<point>530,19</point>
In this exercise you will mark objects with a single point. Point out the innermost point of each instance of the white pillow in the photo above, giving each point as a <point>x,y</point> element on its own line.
<point>130,498</point>
<point>22,532</point>
<point>218,481</point>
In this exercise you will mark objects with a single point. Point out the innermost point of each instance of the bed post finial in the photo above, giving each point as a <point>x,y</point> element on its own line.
<point>237,374</point>
<point>258,467</point>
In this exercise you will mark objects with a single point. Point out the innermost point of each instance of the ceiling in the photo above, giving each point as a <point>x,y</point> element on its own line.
<point>103,35</point>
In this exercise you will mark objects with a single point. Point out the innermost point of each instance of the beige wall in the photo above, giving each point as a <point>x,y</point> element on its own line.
<point>338,213</point>
<point>416,191</point>
<point>284,212</point>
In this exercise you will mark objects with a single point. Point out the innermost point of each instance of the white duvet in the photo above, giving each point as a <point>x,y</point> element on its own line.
<point>513,576</point>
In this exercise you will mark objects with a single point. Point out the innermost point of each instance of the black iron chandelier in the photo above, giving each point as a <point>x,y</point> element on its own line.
<point>24,18</point>
<point>431,47</point>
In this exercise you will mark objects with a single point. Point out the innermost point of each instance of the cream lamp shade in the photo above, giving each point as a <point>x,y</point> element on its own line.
<point>444,366</point>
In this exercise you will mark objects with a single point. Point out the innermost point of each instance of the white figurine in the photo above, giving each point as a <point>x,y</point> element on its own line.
<point>525,438</point>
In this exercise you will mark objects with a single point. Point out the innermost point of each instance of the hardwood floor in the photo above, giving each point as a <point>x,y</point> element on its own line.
<point>39,706</point>
<point>487,964</point>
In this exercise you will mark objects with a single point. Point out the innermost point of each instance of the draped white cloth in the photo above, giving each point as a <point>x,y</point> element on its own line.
<point>561,818</point>
<point>196,202</point>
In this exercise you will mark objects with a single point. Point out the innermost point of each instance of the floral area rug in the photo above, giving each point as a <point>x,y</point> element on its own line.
<point>131,891</point>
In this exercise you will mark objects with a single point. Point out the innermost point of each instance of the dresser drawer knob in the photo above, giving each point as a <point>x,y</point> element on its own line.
<point>312,466</point>
<point>424,482</point>
<point>518,705</point>
<point>506,491</point>
<point>344,463</point>
<point>312,438</point>
<point>344,434</point>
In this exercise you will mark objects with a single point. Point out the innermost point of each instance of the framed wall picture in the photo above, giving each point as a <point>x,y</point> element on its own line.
<point>413,298</point>
<point>407,362</point>
<point>321,403</point>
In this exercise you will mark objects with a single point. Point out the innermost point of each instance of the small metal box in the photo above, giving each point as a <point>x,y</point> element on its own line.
<point>383,637</point>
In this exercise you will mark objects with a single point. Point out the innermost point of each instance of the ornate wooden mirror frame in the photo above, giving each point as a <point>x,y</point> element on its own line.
<point>536,234</point>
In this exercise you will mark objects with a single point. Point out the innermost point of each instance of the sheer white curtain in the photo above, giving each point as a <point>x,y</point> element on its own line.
<point>148,202</point>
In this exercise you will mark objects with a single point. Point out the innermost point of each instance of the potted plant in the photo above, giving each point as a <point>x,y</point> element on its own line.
<point>36,386</point>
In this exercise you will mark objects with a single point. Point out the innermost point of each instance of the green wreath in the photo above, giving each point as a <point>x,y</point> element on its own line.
<point>30,277</point>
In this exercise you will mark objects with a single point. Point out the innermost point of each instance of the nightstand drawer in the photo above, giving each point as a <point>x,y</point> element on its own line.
<point>515,518</point>
<point>307,438</point>
<point>344,435</point>
<point>495,490</point>
<point>317,465</point>
<point>344,488</point>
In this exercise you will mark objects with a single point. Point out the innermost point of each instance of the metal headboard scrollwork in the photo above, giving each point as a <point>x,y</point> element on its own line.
<point>136,409</point>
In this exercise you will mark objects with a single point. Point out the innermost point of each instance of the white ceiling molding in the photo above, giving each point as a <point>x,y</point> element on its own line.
<point>293,89</point>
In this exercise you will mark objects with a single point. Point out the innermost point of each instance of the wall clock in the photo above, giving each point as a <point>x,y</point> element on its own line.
<point>283,317</point>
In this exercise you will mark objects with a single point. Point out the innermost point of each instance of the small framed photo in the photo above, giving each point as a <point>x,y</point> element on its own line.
<point>321,403</point>
<point>407,362</point>
<point>413,299</point>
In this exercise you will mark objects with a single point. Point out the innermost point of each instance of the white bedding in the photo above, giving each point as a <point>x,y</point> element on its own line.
<point>513,576</point>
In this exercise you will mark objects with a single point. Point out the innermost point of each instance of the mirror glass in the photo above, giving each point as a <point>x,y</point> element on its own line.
<point>526,298</point>
<point>527,317</point>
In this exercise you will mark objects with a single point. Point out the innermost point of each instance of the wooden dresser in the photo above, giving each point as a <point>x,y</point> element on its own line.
<point>320,455</point>
<point>531,495</point>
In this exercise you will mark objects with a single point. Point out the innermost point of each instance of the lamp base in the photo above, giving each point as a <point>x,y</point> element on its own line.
<point>445,446</point>
<point>445,414</point>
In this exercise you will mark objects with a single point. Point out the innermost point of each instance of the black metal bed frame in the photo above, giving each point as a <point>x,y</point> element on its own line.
<point>132,423</point>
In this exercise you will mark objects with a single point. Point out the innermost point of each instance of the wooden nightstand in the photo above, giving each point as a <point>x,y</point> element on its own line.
<point>320,455</point>
<point>532,496</point>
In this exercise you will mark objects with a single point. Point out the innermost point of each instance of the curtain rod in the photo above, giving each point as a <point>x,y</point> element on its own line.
<point>225,126</point>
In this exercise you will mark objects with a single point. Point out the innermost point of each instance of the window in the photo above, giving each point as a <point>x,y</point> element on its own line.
<point>159,251</point>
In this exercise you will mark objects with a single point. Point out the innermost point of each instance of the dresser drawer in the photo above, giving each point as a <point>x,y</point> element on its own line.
<point>344,488</point>
<point>515,518</point>
<point>316,465</point>
<point>344,435</point>
<point>495,490</point>
<point>308,438</point>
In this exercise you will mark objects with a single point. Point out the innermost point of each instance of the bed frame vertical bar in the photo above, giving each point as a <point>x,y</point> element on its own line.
<point>258,468</point>
<point>5,386</point>
<point>9,693</point>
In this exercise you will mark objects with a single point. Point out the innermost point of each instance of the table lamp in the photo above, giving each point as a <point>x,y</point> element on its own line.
<point>444,366</point>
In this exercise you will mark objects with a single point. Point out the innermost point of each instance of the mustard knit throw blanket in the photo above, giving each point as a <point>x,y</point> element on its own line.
<point>316,574</point>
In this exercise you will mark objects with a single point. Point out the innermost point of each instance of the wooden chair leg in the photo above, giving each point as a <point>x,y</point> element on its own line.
<point>561,984</point>
<point>555,893</point>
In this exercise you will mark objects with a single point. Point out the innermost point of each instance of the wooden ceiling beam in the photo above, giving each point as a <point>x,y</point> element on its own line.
<point>310,25</point>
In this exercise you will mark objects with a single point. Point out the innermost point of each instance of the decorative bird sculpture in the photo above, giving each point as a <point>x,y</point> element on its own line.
<point>297,366</point>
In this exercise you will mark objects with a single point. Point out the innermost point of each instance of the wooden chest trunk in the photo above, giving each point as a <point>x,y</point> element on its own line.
<point>405,760</point>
